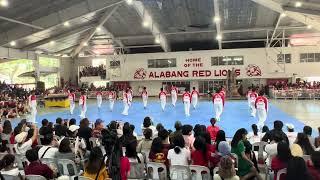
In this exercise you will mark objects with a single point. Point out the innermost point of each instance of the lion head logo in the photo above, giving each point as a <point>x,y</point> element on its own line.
<point>140,74</point>
<point>253,70</point>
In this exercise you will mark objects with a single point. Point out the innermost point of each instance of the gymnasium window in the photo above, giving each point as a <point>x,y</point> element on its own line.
<point>227,60</point>
<point>181,85</point>
<point>309,57</point>
<point>114,64</point>
<point>284,58</point>
<point>162,63</point>
<point>212,86</point>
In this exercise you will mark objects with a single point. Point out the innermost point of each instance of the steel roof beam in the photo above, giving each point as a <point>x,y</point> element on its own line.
<point>302,18</point>
<point>217,14</point>
<point>100,24</point>
<point>77,12</point>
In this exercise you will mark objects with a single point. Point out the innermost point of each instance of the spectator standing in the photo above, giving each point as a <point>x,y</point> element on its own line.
<point>213,129</point>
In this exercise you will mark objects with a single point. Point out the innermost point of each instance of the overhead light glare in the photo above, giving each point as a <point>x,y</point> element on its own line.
<point>298,4</point>
<point>309,26</point>
<point>283,15</point>
<point>219,37</point>
<point>157,40</point>
<point>52,42</point>
<point>12,43</point>
<point>216,19</point>
<point>4,3</point>
<point>129,2</point>
<point>85,44</point>
<point>67,24</point>
<point>145,23</point>
<point>98,29</point>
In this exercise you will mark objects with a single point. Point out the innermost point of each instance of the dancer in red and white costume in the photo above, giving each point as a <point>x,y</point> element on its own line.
<point>195,96</point>
<point>99,98</point>
<point>72,99</point>
<point>83,104</point>
<point>218,104</point>
<point>186,98</point>
<point>252,97</point>
<point>144,95</point>
<point>163,99</point>
<point>112,97</point>
<point>223,92</point>
<point>174,94</point>
<point>33,107</point>
<point>248,96</point>
<point>130,94</point>
<point>261,105</point>
<point>126,102</point>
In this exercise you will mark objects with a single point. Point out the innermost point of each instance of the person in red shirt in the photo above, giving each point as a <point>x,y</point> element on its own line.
<point>195,96</point>
<point>163,99</point>
<point>186,99</point>
<point>314,168</point>
<point>252,97</point>
<point>72,99</point>
<point>281,160</point>
<point>36,167</point>
<point>200,155</point>
<point>261,105</point>
<point>213,129</point>
<point>218,103</point>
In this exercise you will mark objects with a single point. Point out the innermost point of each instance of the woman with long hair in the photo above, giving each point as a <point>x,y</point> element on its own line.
<point>280,161</point>
<point>297,169</point>
<point>200,155</point>
<point>179,155</point>
<point>221,136</point>
<point>95,168</point>
<point>304,142</point>
<point>246,166</point>
<point>7,131</point>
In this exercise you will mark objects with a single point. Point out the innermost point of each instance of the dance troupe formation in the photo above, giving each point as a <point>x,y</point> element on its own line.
<point>258,103</point>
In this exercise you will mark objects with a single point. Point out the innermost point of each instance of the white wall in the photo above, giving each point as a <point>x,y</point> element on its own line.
<point>257,56</point>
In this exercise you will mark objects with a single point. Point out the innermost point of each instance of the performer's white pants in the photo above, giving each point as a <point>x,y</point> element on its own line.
<point>72,106</point>
<point>218,108</point>
<point>187,108</point>
<point>174,99</point>
<point>125,108</point>
<point>83,111</point>
<point>262,117</point>
<point>194,102</point>
<point>33,114</point>
<point>249,103</point>
<point>145,102</point>
<point>99,102</point>
<point>111,104</point>
<point>253,109</point>
<point>163,104</point>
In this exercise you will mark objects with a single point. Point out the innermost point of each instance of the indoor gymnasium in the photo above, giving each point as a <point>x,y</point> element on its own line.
<point>160,89</point>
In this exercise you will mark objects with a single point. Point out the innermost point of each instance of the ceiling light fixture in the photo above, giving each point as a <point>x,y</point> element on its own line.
<point>219,37</point>
<point>298,4</point>
<point>157,40</point>
<point>129,2</point>
<point>4,3</point>
<point>309,26</point>
<point>283,15</point>
<point>12,43</point>
<point>98,29</point>
<point>145,23</point>
<point>52,42</point>
<point>67,24</point>
<point>85,44</point>
<point>216,19</point>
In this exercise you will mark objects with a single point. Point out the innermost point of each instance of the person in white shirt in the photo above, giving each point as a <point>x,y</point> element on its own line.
<point>83,104</point>
<point>33,107</point>
<point>144,95</point>
<point>186,99</point>
<point>130,94</point>
<point>24,144</point>
<point>252,97</point>
<point>179,155</point>
<point>163,99</point>
<point>195,96</point>
<point>112,98</point>
<point>174,94</point>
<point>49,148</point>
<point>72,99</point>
<point>7,166</point>
<point>126,103</point>
<point>271,149</point>
<point>99,99</point>
<point>254,136</point>
<point>292,136</point>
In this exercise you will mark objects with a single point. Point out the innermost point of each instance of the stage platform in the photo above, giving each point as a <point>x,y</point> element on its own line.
<point>236,114</point>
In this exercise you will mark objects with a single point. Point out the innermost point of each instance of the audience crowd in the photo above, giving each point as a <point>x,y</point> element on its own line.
<point>282,85</point>
<point>13,101</point>
<point>93,71</point>
<point>114,151</point>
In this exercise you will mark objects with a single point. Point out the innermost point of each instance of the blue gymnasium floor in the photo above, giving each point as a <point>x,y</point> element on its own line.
<point>236,115</point>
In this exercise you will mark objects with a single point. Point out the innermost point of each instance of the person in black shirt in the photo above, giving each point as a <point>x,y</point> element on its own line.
<point>85,132</point>
<point>45,129</point>
<point>60,128</point>
<point>277,128</point>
